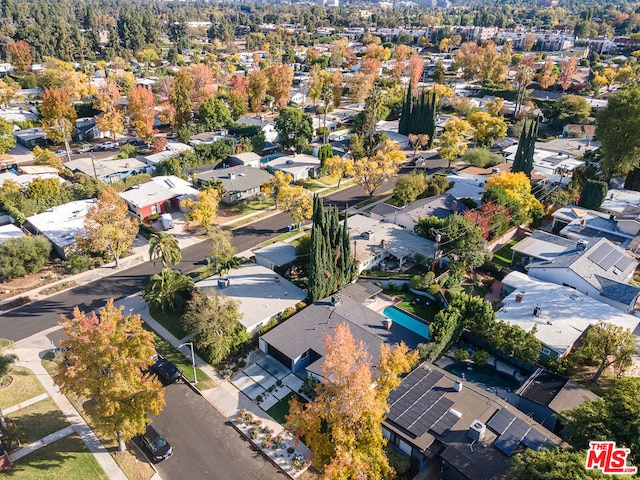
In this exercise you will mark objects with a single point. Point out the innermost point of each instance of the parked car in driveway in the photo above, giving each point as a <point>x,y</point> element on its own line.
<point>108,145</point>
<point>156,444</point>
<point>166,371</point>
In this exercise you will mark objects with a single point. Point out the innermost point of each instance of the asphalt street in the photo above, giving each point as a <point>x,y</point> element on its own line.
<point>204,445</point>
<point>43,314</point>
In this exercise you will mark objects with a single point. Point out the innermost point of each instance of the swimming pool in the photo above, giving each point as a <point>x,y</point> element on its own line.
<point>268,158</point>
<point>408,321</point>
<point>485,374</point>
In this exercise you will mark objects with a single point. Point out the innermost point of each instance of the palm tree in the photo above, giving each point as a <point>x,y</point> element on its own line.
<point>169,288</point>
<point>165,247</point>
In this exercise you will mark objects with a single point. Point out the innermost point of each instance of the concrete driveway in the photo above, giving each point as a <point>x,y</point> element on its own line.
<point>205,446</point>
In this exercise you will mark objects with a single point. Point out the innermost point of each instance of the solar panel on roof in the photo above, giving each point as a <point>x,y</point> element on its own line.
<point>624,263</point>
<point>608,261</point>
<point>507,443</point>
<point>518,428</point>
<point>429,418</point>
<point>501,421</point>
<point>445,424</point>
<point>599,254</point>
<point>534,439</point>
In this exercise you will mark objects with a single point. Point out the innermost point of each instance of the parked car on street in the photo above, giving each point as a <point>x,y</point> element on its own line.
<point>60,153</point>
<point>156,444</point>
<point>108,145</point>
<point>166,371</point>
<point>83,148</point>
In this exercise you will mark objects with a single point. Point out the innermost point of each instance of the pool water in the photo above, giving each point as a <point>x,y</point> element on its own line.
<point>485,374</point>
<point>408,321</point>
<point>268,158</point>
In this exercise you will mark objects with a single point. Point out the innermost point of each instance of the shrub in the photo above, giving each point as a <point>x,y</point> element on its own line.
<point>461,355</point>
<point>480,357</point>
<point>152,218</point>
<point>78,263</point>
<point>127,151</point>
<point>23,256</point>
<point>259,399</point>
<point>309,387</point>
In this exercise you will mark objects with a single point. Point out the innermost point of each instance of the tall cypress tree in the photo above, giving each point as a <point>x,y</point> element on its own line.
<point>523,161</point>
<point>403,124</point>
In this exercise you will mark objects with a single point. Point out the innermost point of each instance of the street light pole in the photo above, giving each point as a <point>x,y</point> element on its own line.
<point>193,361</point>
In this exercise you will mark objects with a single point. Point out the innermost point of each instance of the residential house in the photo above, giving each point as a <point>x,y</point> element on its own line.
<point>240,182</point>
<point>162,194</point>
<point>299,343</point>
<point>245,159</point>
<point>579,131</point>
<point>86,129</point>
<point>560,314</point>
<point>583,224</point>
<point>24,179</point>
<point>268,128</point>
<point>172,150</point>
<point>30,137</point>
<point>617,202</point>
<point>556,166</point>
<point>108,170</point>
<point>276,255</point>
<point>261,294</point>
<point>541,245</point>
<point>599,269</point>
<point>385,245</point>
<point>206,138</point>
<point>300,166</point>
<point>468,432</point>
<point>61,225</point>
<point>440,206</point>
<point>545,396</point>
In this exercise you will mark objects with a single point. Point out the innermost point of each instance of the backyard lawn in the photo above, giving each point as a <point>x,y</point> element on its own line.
<point>417,308</point>
<point>503,256</point>
<point>67,458</point>
<point>281,409</point>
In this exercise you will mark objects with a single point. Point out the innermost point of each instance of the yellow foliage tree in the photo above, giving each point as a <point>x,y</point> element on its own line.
<point>272,187</point>
<point>107,100</point>
<point>108,227</point>
<point>451,143</point>
<point>339,167</point>
<point>204,209</point>
<point>517,186</point>
<point>487,128</point>
<point>295,200</point>
<point>342,426</point>
<point>370,173</point>
<point>106,356</point>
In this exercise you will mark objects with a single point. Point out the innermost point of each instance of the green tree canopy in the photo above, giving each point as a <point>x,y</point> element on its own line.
<point>214,114</point>
<point>593,194</point>
<point>617,128</point>
<point>295,128</point>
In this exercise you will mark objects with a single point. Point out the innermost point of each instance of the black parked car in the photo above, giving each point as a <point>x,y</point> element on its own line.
<point>156,444</point>
<point>166,371</point>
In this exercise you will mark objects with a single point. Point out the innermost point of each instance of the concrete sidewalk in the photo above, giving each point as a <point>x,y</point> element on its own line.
<point>38,444</point>
<point>29,353</point>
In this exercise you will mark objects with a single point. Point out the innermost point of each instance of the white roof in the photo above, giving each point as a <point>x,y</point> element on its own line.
<point>466,188</point>
<point>617,200</point>
<point>10,231</point>
<point>25,179</point>
<point>61,224</point>
<point>294,163</point>
<point>158,190</point>
<point>258,295</point>
<point>105,167</point>
<point>399,242</point>
<point>565,312</point>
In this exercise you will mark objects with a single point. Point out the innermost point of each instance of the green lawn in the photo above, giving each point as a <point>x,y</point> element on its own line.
<point>246,207</point>
<point>38,420</point>
<point>170,320</point>
<point>25,386</point>
<point>67,458</point>
<point>281,409</point>
<point>503,256</point>
<point>418,309</point>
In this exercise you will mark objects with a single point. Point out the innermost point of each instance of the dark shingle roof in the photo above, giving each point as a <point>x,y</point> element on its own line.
<point>622,292</point>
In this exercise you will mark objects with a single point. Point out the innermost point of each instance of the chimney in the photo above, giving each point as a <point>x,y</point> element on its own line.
<point>454,206</point>
<point>520,296</point>
<point>583,222</point>
<point>457,386</point>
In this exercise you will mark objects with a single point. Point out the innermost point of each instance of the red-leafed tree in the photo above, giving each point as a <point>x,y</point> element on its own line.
<point>416,66</point>
<point>567,70</point>
<point>481,220</point>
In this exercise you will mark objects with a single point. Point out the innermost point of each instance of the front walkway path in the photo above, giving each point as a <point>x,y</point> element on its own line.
<point>29,353</point>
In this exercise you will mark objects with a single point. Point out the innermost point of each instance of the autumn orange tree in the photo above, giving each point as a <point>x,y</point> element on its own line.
<point>257,84</point>
<point>21,57</point>
<point>107,100</point>
<point>343,425</point>
<point>141,111</point>
<point>106,355</point>
<point>280,78</point>
<point>108,227</point>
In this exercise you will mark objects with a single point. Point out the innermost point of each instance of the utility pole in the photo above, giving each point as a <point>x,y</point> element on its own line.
<point>93,164</point>
<point>438,237</point>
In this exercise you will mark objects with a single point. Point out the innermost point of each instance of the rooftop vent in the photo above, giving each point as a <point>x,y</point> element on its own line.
<point>232,176</point>
<point>289,161</point>
<point>537,311</point>
<point>223,283</point>
<point>457,386</point>
<point>520,297</point>
<point>476,430</point>
<point>582,244</point>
